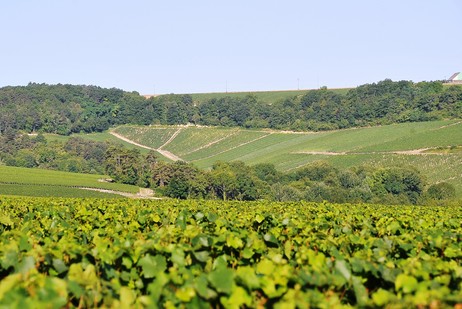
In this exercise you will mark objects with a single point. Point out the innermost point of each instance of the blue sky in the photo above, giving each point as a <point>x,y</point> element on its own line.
<point>206,46</point>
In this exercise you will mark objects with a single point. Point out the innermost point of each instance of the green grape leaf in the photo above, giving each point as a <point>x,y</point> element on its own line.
<point>8,283</point>
<point>59,266</point>
<point>155,288</point>
<point>185,293</point>
<point>247,275</point>
<point>342,267</point>
<point>382,297</point>
<point>152,265</point>
<point>238,298</point>
<point>178,257</point>
<point>259,218</point>
<point>201,256</point>
<point>27,264</point>
<point>360,291</point>
<point>201,286</point>
<point>406,283</point>
<point>24,244</point>
<point>268,237</point>
<point>234,242</point>
<point>222,280</point>
<point>6,220</point>
<point>75,289</point>
<point>265,267</point>
<point>10,259</point>
<point>127,297</point>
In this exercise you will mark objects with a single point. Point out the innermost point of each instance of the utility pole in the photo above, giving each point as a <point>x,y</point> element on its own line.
<point>298,83</point>
<point>226,86</point>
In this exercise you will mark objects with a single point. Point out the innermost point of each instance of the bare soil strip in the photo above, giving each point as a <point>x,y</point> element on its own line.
<point>130,141</point>
<point>414,152</point>
<point>171,138</point>
<point>143,194</point>
<point>169,155</point>
<point>324,153</point>
<point>450,125</point>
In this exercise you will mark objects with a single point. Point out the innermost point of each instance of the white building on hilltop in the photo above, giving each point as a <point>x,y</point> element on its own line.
<point>456,78</point>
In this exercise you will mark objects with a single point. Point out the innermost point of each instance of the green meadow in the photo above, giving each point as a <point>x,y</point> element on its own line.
<point>40,182</point>
<point>51,191</point>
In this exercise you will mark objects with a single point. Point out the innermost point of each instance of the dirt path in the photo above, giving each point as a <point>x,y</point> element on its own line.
<point>130,141</point>
<point>325,153</point>
<point>143,194</point>
<point>165,153</point>
<point>414,152</point>
<point>171,138</point>
<point>169,155</point>
<point>450,125</point>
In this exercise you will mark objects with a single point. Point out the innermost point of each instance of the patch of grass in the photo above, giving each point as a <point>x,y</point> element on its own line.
<point>25,176</point>
<point>51,191</point>
<point>419,135</point>
<point>269,97</point>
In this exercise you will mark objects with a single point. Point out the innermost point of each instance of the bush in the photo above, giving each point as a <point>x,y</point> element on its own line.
<point>441,191</point>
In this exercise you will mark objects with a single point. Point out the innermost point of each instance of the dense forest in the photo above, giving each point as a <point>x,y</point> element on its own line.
<point>66,109</point>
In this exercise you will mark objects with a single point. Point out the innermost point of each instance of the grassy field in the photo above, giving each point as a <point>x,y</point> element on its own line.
<point>39,182</point>
<point>269,97</point>
<point>51,191</point>
<point>399,144</point>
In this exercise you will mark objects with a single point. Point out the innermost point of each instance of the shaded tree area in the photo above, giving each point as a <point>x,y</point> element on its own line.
<point>66,109</point>
<point>75,155</point>
<point>379,103</point>
<point>318,181</point>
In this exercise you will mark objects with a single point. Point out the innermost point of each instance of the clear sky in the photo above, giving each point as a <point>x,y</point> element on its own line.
<point>207,46</point>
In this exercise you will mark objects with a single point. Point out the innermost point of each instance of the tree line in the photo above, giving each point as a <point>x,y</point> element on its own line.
<point>66,109</point>
<point>318,181</point>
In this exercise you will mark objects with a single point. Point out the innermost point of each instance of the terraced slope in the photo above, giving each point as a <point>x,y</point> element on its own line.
<point>403,144</point>
<point>103,136</point>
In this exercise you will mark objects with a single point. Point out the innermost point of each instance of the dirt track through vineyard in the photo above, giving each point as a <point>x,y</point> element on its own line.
<point>165,153</point>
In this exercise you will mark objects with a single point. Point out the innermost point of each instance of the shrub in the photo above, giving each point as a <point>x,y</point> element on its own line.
<point>441,191</point>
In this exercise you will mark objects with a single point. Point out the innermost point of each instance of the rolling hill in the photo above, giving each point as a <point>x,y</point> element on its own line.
<point>432,147</point>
